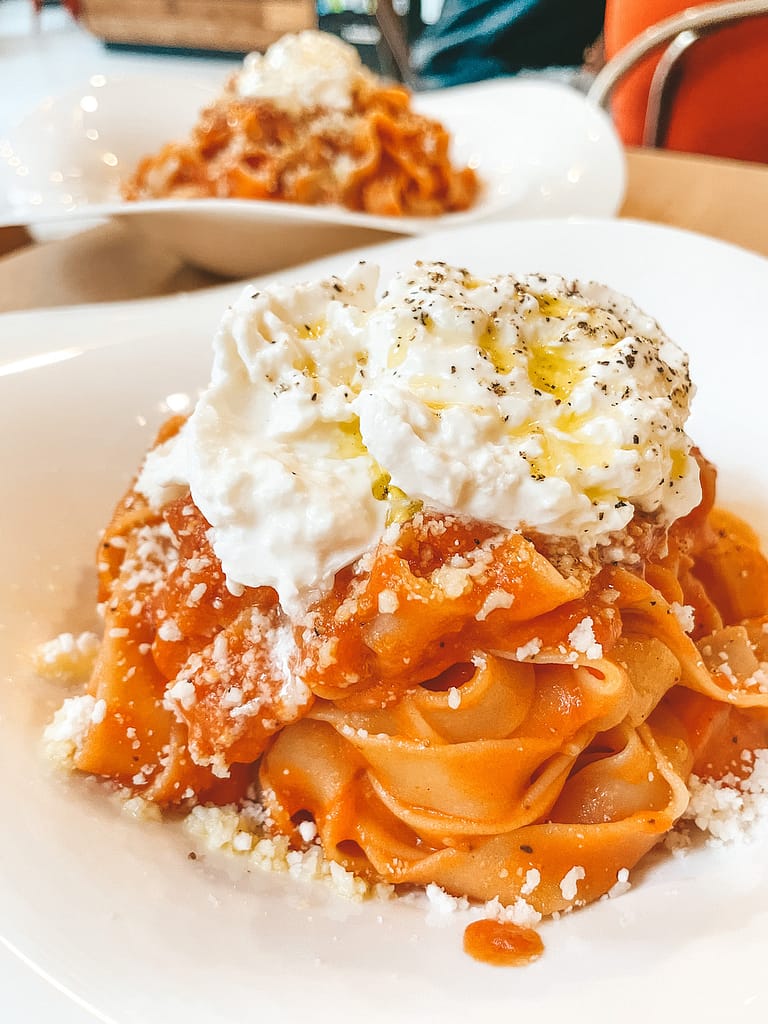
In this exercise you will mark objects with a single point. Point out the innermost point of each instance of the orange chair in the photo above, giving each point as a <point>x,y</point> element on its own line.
<point>707,92</point>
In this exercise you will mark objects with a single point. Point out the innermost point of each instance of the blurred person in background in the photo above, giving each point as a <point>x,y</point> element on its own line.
<point>478,39</point>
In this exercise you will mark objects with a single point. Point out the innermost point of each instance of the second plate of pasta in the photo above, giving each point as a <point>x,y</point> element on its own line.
<point>538,148</point>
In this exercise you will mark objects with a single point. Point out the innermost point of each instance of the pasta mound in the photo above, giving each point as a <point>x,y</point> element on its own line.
<point>380,157</point>
<point>467,715</point>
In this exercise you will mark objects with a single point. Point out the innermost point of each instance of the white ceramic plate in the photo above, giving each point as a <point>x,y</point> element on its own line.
<point>115,912</point>
<point>540,148</point>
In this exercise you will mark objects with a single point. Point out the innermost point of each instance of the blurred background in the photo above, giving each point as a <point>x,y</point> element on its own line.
<point>677,77</point>
<point>700,85</point>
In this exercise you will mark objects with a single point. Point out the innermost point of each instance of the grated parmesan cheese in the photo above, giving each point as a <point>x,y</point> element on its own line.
<point>226,828</point>
<point>453,581</point>
<point>531,883</point>
<point>582,639</point>
<point>140,809</point>
<point>495,600</point>
<point>196,594</point>
<point>529,650</point>
<point>99,711</point>
<point>183,691</point>
<point>65,734</point>
<point>685,615</point>
<point>169,631</point>
<point>570,882</point>
<point>67,657</point>
<point>621,885</point>
<point>388,602</point>
<point>520,912</point>
<point>442,902</point>
<point>727,808</point>
<point>307,830</point>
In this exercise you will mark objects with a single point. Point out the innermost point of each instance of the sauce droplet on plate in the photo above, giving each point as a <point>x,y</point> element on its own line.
<point>501,943</point>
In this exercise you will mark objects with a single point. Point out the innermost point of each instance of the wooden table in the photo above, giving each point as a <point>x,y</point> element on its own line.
<point>723,198</point>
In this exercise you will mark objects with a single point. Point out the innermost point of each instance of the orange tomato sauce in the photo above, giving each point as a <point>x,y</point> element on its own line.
<point>501,943</point>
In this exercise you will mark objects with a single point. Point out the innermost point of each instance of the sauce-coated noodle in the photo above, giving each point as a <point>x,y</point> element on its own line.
<point>430,744</point>
<point>500,713</point>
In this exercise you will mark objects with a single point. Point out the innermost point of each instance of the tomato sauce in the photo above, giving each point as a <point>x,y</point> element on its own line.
<point>501,943</point>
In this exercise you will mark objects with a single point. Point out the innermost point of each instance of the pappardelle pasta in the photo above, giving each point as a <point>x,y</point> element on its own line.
<point>509,707</point>
<point>307,123</point>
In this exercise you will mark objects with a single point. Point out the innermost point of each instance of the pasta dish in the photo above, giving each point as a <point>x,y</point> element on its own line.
<point>435,584</point>
<point>307,123</point>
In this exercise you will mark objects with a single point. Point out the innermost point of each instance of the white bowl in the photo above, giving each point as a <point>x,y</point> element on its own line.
<point>539,147</point>
<point>114,912</point>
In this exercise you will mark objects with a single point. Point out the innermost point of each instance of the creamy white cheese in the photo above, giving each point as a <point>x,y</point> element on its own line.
<point>308,69</point>
<point>531,402</point>
<point>272,452</point>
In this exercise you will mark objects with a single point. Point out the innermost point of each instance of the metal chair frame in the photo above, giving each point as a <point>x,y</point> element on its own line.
<point>680,32</point>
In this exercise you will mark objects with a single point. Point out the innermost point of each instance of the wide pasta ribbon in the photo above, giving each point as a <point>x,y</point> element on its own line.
<point>455,710</point>
<point>600,818</point>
